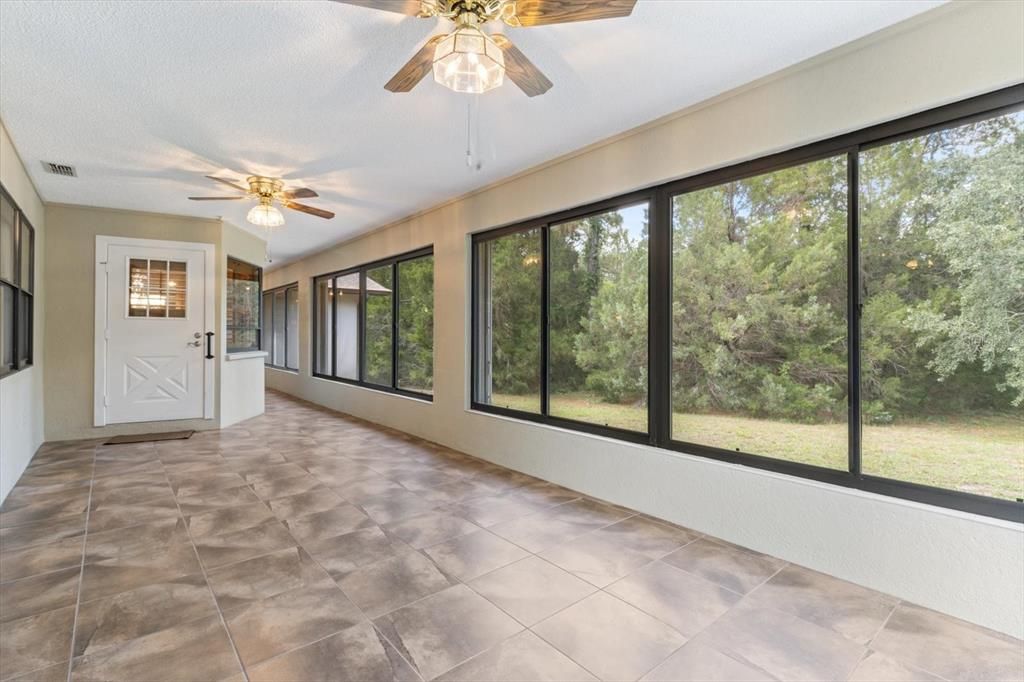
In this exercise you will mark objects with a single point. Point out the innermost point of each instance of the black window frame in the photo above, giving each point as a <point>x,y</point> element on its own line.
<point>21,358</point>
<point>259,322</point>
<point>996,103</point>
<point>267,344</point>
<point>361,270</point>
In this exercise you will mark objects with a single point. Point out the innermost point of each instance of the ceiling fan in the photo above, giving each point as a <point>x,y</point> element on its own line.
<point>469,60</point>
<point>267,191</point>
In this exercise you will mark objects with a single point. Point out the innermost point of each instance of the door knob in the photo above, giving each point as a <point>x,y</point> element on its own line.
<point>195,343</point>
<point>197,335</point>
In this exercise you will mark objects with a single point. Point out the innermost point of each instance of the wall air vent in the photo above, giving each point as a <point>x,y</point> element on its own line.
<point>67,170</point>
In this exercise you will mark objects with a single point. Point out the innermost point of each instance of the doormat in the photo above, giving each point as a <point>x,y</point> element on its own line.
<point>149,437</point>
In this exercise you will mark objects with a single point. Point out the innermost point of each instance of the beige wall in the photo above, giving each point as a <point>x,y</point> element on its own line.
<point>21,394</point>
<point>965,565</point>
<point>70,250</point>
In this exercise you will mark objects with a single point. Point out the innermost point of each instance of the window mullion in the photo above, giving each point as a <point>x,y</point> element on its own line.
<point>853,302</point>
<point>545,331</point>
<point>394,324</point>
<point>659,320</point>
<point>361,327</point>
<point>334,325</point>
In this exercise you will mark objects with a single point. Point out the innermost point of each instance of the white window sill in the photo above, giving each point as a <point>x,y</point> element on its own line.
<point>246,355</point>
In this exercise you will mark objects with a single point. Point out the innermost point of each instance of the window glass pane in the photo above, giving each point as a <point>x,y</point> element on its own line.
<point>509,300</point>
<point>268,327</point>
<point>323,297</point>
<point>27,238</point>
<point>759,315</point>
<point>157,288</point>
<point>176,289</point>
<point>243,305</point>
<point>278,352</point>
<point>6,240</point>
<point>6,327</point>
<point>942,261</point>
<point>597,318</point>
<point>25,330</point>
<point>378,325</point>
<point>416,324</point>
<point>346,311</point>
<point>138,287</point>
<point>292,324</point>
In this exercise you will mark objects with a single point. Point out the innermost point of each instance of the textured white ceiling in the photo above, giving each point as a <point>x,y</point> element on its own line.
<point>146,98</point>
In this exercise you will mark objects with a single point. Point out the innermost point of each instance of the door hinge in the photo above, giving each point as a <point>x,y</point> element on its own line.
<point>106,400</point>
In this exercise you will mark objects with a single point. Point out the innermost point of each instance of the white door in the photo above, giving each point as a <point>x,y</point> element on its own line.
<point>157,312</point>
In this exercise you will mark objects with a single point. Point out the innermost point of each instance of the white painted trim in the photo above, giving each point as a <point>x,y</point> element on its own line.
<point>246,355</point>
<point>103,244</point>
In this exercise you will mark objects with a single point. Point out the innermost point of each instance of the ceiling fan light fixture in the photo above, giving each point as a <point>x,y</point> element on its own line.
<point>265,215</point>
<point>468,60</point>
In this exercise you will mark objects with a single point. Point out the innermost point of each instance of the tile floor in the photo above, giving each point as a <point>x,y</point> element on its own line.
<point>305,545</point>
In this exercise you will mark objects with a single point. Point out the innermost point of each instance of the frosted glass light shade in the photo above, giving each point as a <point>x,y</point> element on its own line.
<point>467,60</point>
<point>265,216</point>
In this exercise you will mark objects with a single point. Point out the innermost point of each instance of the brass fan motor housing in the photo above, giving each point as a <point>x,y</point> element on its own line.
<point>470,12</point>
<point>264,187</point>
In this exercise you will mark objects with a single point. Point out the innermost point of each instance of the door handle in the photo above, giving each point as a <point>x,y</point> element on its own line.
<point>209,345</point>
<point>195,343</point>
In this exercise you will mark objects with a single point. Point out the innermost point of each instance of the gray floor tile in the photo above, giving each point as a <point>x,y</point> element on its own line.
<point>610,638</point>
<point>949,648</point>
<point>696,662</point>
<point>532,589</point>
<point>472,555</point>
<point>440,632</point>
<point>391,583</point>
<point>738,569</point>
<point>685,601</point>
<point>783,645</point>
<point>522,657</point>
<point>358,654</point>
<point>849,609</point>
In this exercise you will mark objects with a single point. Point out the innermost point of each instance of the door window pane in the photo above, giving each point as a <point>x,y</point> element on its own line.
<point>292,323</point>
<point>7,240</point>
<point>416,324</point>
<point>759,315</point>
<point>942,262</point>
<point>278,351</point>
<point>379,288</point>
<point>346,314</point>
<point>597,319</point>
<point>138,287</point>
<point>509,315</point>
<point>158,288</point>
<point>152,284</point>
<point>176,289</point>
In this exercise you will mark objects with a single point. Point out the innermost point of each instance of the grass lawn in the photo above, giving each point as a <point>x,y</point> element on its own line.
<point>982,455</point>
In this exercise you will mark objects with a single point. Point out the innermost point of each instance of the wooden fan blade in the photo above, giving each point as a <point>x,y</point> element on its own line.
<point>300,193</point>
<point>521,70</point>
<point>413,8</point>
<point>215,198</point>
<point>415,69</point>
<point>318,212</point>
<point>229,183</point>
<point>543,12</point>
